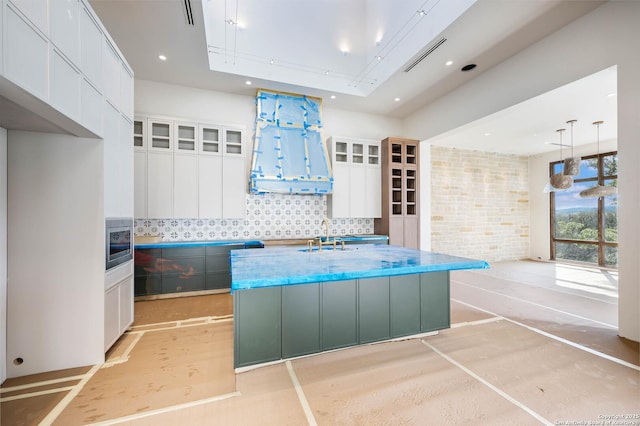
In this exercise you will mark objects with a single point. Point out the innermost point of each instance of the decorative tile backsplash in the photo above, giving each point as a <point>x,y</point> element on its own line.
<point>269,216</point>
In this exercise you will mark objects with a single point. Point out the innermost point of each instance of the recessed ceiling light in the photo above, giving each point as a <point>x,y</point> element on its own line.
<point>421,12</point>
<point>448,63</point>
<point>162,57</point>
<point>248,82</point>
<point>397,99</point>
<point>326,73</point>
<point>271,61</point>
<point>333,96</point>
<point>611,95</point>
<point>487,134</point>
<point>378,57</point>
<point>468,67</point>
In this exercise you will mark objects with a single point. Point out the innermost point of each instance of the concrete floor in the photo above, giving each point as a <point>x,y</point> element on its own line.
<point>530,343</point>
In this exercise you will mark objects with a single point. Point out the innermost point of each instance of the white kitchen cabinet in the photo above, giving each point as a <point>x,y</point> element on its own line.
<point>234,188</point>
<point>185,138</point>
<point>125,158</point>
<point>232,141</point>
<point>185,186</point>
<point>90,48</point>
<point>356,178</point>
<point>140,167</point>
<point>140,184</point>
<point>118,302</point>
<point>210,186</point>
<point>159,184</point>
<point>26,58</point>
<point>112,164</point>
<point>160,135</point>
<point>111,73</point>
<point>35,11</point>
<point>91,110</point>
<point>65,28</point>
<point>65,81</point>
<point>126,92</point>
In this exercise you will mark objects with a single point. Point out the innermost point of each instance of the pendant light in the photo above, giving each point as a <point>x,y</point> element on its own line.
<point>560,180</point>
<point>572,164</point>
<point>598,190</point>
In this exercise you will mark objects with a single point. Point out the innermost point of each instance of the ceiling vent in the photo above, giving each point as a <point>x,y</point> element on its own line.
<point>188,12</point>
<point>424,54</point>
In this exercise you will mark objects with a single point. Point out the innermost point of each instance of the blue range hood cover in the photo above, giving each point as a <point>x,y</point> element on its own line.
<point>289,154</point>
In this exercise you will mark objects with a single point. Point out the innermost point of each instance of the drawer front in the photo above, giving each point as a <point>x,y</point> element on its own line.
<point>218,263</point>
<point>184,267</point>
<point>177,284</point>
<point>175,252</point>
<point>146,285</point>
<point>218,280</point>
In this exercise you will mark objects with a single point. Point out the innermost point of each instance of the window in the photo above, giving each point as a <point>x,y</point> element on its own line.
<point>586,229</point>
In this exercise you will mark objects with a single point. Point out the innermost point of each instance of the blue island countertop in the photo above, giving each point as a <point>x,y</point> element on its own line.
<point>281,266</point>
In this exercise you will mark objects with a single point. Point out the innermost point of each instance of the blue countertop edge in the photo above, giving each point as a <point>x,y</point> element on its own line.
<point>210,243</point>
<point>247,243</point>
<point>452,263</point>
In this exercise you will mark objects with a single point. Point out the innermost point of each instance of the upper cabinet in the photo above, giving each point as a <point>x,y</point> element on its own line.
<point>356,178</point>
<point>58,62</point>
<point>185,169</point>
<point>400,192</point>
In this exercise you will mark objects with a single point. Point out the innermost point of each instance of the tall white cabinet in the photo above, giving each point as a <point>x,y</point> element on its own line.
<point>60,65</point>
<point>356,178</point>
<point>187,169</point>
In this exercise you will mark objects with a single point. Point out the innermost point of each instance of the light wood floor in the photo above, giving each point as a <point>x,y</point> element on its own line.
<point>530,343</point>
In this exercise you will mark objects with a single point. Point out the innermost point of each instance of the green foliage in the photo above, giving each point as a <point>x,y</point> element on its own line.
<point>583,226</point>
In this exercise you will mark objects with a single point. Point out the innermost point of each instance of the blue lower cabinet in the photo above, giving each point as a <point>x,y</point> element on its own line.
<point>300,320</point>
<point>257,326</point>
<point>405,305</point>
<point>339,314</point>
<point>435,299</point>
<point>373,309</point>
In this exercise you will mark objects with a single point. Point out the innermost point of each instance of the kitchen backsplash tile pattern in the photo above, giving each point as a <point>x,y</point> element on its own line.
<point>479,204</point>
<point>269,216</point>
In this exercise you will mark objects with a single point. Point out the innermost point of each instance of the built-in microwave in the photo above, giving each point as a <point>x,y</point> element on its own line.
<point>118,241</point>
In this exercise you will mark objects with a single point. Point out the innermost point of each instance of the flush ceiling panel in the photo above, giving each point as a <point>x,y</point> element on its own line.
<point>347,47</point>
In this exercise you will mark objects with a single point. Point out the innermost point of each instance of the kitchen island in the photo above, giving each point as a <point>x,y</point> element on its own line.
<point>293,301</point>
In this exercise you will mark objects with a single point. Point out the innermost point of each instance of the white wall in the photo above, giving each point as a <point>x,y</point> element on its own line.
<point>55,316</point>
<point>603,38</point>
<point>3,254</point>
<point>539,247</point>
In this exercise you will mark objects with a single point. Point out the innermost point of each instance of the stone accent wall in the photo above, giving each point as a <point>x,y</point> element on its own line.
<point>269,216</point>
<point>479,204</point>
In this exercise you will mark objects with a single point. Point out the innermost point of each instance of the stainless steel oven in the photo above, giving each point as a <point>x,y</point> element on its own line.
<point>118,241</point>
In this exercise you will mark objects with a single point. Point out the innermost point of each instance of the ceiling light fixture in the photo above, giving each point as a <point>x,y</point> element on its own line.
<point>230,22</point>
<point>572,164</point>
<point>378,57</point>
<point>448,63</point>
<point>271,61</point>
<point>333,96</point>
<point>397,99</point>
<point>598,190</point>
<point>248,82</point>
<point>560,180</point>
<point>162,57</point>
<point>421,12</point>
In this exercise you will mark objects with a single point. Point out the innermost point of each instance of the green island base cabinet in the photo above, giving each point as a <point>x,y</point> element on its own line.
<point>275,323</point>
<point>289,302</point>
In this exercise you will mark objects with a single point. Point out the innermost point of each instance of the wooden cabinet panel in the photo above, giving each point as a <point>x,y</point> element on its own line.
<point>257,326</point>
<point>339,319</point>
<point>434,295</point>
<point>400,190</point>
<point>405,305</point>
<point>300,320</point>
<point>373,309</point>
